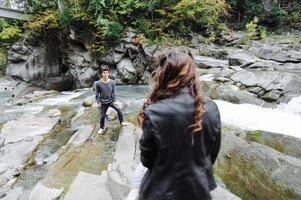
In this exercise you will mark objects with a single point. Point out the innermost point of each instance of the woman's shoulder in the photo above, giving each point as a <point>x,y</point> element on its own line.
<point>211,111</point>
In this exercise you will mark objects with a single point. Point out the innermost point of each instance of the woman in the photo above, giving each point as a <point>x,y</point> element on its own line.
<point>181,133</point>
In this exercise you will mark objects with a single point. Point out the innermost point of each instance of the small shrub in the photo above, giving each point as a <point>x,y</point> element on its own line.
<point>252,28</point>
<point>10,32</point>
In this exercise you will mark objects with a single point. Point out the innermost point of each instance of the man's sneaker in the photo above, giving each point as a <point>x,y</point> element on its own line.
<point>100,131</point>
<point>124,123</point>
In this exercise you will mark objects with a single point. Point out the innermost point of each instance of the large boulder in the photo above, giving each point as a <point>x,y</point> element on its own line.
<point>21,138</point>
<point>276,53</point>
<point>260,172</point>
<point>277,86</point>
<point>208,62</point>
<point>283,143</point>
<point>241,58</point>
<point>88,186</point>
<point>233,94</point>
<point>42,192</point>
<point>126,71</point>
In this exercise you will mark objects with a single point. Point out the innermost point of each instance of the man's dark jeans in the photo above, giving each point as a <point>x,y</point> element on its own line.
<point>104,108</point>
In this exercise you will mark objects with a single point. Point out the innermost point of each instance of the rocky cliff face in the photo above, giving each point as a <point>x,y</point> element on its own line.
<point>47,63</point>
<point>256,73</point>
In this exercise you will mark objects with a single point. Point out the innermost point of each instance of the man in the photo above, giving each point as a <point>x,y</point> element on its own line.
<point>105,97</point>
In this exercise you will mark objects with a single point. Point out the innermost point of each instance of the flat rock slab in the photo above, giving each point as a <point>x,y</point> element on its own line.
<point>88,186</point>
<point>27,126</point>
<point>222,194</point>
<point>41,192</point>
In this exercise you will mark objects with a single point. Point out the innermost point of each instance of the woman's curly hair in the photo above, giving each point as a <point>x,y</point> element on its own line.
<point>176,69</point>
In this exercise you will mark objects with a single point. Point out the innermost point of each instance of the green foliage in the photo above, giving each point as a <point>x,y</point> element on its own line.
<point>252,28</point>
<point>3,24</point>
<point>277,17</point>
<point>46,20</point>
<point>295,15</point>
<point>111,30</point>
<point>10,32</point>
<point>254,31</point>
<point>65,18</point>
<point>245,10</point>
<point>154,19</point>
<point>40,5</point>
<point>3,58</point>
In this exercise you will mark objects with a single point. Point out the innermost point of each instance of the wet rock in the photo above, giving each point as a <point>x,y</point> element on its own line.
<point>207,62</point>
<point>233,94</point>
<point>283,83</point>
<point>58,83</point>
<point>125,159</point>
<point>218,52</point>
<point>15,194</point>
<point>280,172</point>
<point>220,193</point>
<point>81,135</point>
<point>42,192</point>
<point>22,137</point>
<point>88,101</point>
<point>276,53</point>
<point>241,58</point>
<point>126,71</point>
<point>283,143</point>
<point>88,186</point>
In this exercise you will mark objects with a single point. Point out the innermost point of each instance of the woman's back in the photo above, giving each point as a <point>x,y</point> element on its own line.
<point>180,167</point>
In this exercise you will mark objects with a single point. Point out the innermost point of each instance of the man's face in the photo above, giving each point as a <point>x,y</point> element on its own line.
<point>105,74</point>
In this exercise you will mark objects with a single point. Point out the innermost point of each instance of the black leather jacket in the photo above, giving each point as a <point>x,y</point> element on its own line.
<point>176,168</point>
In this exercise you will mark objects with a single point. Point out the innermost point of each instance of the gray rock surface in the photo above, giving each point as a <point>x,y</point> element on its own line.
<point>88,186</point>
<point>41,192</point>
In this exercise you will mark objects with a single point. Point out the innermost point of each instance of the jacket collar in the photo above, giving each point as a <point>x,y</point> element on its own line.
<point>184,90</point>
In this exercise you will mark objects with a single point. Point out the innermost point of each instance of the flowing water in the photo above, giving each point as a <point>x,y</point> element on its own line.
<point>94,156</point>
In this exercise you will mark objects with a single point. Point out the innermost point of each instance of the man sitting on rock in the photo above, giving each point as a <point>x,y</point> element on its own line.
<point>105,97</point>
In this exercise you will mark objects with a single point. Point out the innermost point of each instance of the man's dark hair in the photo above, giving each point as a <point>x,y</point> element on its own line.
<point>102,69</point>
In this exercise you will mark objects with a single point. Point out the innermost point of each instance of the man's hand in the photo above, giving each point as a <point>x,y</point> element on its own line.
<point>98,104</point>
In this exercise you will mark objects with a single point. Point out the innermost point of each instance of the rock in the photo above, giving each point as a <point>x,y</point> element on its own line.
<point>15,194</point>
<point>29,126</point>
<point>276,53</point>
<point>280,172</point>
<point>255,89</point>
<point>22,137</point>
<point>41,192</point>
<point>283,143</point>
<point>129,35</point>
<point>149,51</point>
<point>54,113</point>
<point>19,52</point>
<point>233,94</point>
<point>273,65</point>
<point>111,113</point>
<point>88,186</point>
<point>271,96</point>
<point>126,71</point>
<point>221,194</point>
<point>207,62</point>
<point>88,101</point>
<point>222,79</point>
<point>82,135</point>
<point>230,38</point>
<point>37,65</point>
<point>124,162</point>
<point>58,83</point>
<point>283,82</point>
<point>83,77</point>
<point>241,58</point>
<point>217,52</point>
<point>117,56</point>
